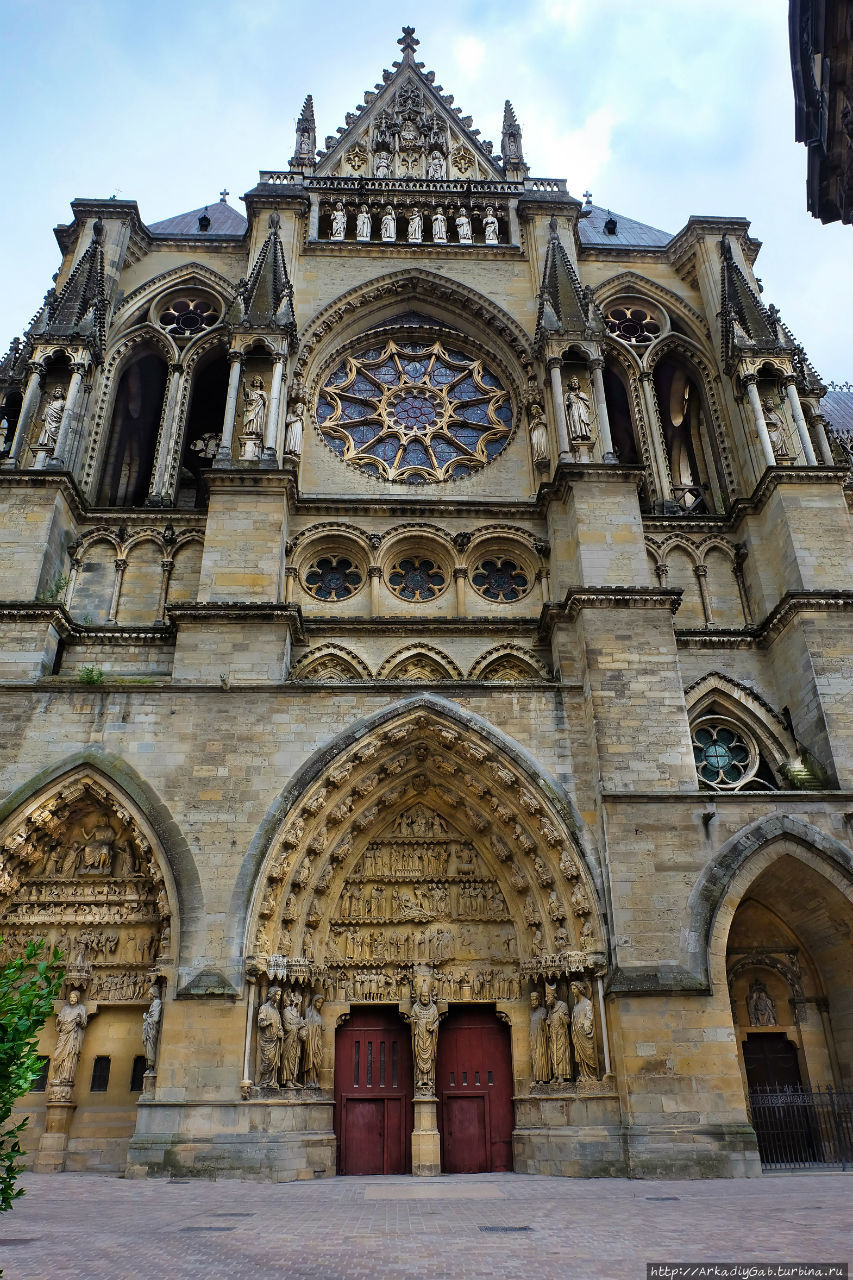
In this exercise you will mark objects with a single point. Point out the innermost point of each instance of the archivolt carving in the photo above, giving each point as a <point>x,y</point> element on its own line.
<point>79,871</point>
<point>331,662</point>
<point>419,662</point>
<point>509,662</point>
<point>423,844</point>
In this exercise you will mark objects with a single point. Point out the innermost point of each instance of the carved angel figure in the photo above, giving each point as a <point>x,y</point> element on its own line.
<point>583,1031</point>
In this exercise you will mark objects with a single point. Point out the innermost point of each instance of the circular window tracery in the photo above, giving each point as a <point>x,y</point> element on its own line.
<point>501,579</point>
<point>634,325</point>
<point>417,578</point>
<point>332,577</point>
<point>725,758</point>
<point>188,314</point>
<point>415,412</point>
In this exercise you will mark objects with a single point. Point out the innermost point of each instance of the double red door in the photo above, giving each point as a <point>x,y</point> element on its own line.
<point>373,1093</point>
<point>474,1087</point>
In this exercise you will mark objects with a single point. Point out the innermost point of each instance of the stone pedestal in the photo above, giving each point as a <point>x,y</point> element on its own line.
<point>53,1143</point>
<point>426,1142</point>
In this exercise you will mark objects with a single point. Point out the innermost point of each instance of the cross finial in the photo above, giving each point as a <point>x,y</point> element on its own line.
<point>408,41</point>
<point>223,195</point>
<point>587,197</point>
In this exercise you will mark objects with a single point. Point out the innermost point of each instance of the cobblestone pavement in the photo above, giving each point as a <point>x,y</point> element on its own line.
<point>93,1227</point>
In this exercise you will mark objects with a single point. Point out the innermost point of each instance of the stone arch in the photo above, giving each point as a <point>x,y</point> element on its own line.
<point>419,662</point>
<point>331,662</point>
<point>745,705</point>
<point>511,662</point>
<point>631,282</point>
<point>622,365</point>
<point>135,305</point>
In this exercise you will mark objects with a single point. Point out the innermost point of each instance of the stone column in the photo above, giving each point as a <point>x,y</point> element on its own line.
<point>53,1143</point>
<point>701,572</point>
<point>224,456</point>
<point>121,565</point>
<point>664,484</point>
<point>596,367</point>
<point>270,454</point>
<point>59,460</point>
<point>554,366</point>
<point>167,566</point>
<point>800,421</point>
<point>426,1141</point>
<point>737,570</point>
<point>819,424</point>
<point>460,575</point>
<point>751,383</point>
<point>158,495</point>
<point>289,580</point>
<point>246,1082</point>
<point>30,404</point>
<point>374,573</point>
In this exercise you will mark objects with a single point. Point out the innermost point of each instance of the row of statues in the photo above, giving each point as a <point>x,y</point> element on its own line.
<point>289,1045</point>
<point>556,1034</point>
<point>71,1023</point>
<point>416,219</point>
<point>256,405</point>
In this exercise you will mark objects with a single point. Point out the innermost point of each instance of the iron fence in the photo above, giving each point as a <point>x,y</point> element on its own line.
<point>801,1128</point>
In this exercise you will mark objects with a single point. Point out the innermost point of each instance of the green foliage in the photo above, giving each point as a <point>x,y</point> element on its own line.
<point>90,675</point>
<point>28,987</point>
<point>56,591</point>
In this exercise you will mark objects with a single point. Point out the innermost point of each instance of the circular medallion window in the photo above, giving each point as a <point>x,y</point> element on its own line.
<point>332,577</point>
<point>188,314</point>
<point>416,578</point>
<point>725,758</point>
<point>415,412</point>
<point>634,325</point>
<point>501,579</point>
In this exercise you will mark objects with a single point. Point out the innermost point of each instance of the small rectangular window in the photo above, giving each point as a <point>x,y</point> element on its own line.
<point>452,1078</point>
<point>136,1076</point>
<point>395,1062</point>
<point>369,1077</point>
<point>355,1059</point>
<point>100,1074</point>
<point>381,1064</point>
<point>464,1077</point>
<point>491,1078</point>
<point>40,1083</point>
<point>476,1077</point>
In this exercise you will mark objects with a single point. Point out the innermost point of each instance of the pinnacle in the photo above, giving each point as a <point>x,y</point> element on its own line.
<point>408,41</point>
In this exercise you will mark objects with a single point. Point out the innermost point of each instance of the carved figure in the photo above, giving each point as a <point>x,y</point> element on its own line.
<point>424,1041</point>
<point>254,418</point>
<point>98,849</point>
<point>439,226</point>
<point>539,435</point>
<point>294,420</point>
<point>558,1028</point>
<point>583,1031</point>
<point>294,1037</point>
<point>776,430</point>
<point>313,1051</point>
<point>339,222</point>
<point>577,411</point>
<point>270,1036</point>
<point>463,227</point>
<point>490,226</point>
<point>382,165</point>
<point>52,419</point>
<point>363,224</point>
<point>540,1041</point>
<point>151,1027</point>
<point>437,166</point>
<point>70,1026</point>
<point>416,227</point>
<point>761,1006</point>
<point>389,224</point>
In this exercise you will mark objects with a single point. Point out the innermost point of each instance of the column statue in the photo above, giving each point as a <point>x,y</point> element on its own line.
<point>416,227</point>
<point>70,1025</point>
<point>339,222</point>
<point>389,224</point>
<point>490,226</point>
<point>294,1030</point>
<point>313,1052</point>
<point>540,1043</point>
<point>776,430</point>
<point>52,419</point>
<point>293,420</point>
<point>439,227</point>
<point>254,419</point>
<point>577,411</point>
<point>583,1031</point>
<point>463,227</point>
<point>424,1041</point>
<point>558,1028</point>
<point>539,436</point>
<point>363,225</point>
<point>270,1036</point>
<point>151,1027</point>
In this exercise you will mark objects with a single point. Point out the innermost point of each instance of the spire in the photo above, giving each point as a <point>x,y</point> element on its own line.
<point>304,156</point>
<point>563,306</point>
<point>80,309</point>
<point>511,149</point>
<point>265,300</point>
<point>747,325</point>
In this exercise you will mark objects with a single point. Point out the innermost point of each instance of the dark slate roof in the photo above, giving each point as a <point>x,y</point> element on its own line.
<point>629,233</point>
<point>837,408</point>
<point>224,221</point>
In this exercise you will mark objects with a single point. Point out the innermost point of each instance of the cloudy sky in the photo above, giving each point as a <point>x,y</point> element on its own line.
<point>661,109</point>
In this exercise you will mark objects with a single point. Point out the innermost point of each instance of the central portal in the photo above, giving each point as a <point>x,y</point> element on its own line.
<point>474,1086</point>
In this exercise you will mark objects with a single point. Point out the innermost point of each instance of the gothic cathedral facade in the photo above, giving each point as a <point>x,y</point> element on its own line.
<point>425,693</point>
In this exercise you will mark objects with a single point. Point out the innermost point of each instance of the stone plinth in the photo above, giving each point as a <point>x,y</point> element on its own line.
<point>53,1143</point>
<point>426,1141</point>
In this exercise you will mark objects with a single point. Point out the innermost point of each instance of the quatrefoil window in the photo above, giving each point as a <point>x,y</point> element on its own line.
<point>417,578</point>
<point>632,324</point>
<point>415,412</point>
<point>332,578</point>
<point>725,758</point>
<point>186,316</point>
<point>498,578</point>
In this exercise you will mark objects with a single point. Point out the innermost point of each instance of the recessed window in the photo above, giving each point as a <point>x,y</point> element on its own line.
<point>727,759</point>
<point>100,1075</point>
<point>501,579</point>
<point>632,324</point>
<point>40,1083</point>
<point>140,1066</point>
<point>417,578</point>
<point>187,315</point>
<point>332,577</point>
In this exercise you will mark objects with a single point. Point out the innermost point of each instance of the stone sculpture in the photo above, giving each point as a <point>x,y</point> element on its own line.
<point>463,227</point>
<point>424,1041</point>
<point>761,1006</point>
<point>254,419</point>
<point>540,1043</point>
<point>583,1032</point>
<point>382,165</point>
<point>313,1052</point>
<point>437,166</point>
<point>558,1029</point>
<point>70,1025</point>
<point>294,1031</point>
<point>293,423</point>
<point>52,419</point>
<point>151,1027</point>
<point>490,226</point>
<point>363,226</point>
<point>270,1036</point>
<point>339,222</point>
<point>539,436</point>
<point>389,224</point>
<point>776,430</point>
<point>439,226</point>
<point>577,412</point>
<point>416,227</point>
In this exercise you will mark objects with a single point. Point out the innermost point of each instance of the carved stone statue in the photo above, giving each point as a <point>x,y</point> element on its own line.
<point>389,224</point>
<point>293,422</point>
<point>270,1035</point>
<point>439,226</point>
<point>363,225</point>
<point>558,1028</point>
<point>539,436</point>
<point>416,227</point>
<point>254,418</point>
<point>463,227</point>
<point>577,412</point>
<point>424,1041</point>
<point>583,1031</point>
<point>52,419</point>
<point>540,1043</point>
<point>339,222</point>
<point>776,430</point>
<point>761,1006</point>
<point>294,1037</point>
<point>70,1025</point>
<point>97,853</point>
<point>313,1052</point>
<point>151,1027</point>
<point>490,226</point>
<point>437,166</point>
<point>382,165</point>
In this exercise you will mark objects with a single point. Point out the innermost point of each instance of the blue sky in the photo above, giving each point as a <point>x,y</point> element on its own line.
<point>662,109</point>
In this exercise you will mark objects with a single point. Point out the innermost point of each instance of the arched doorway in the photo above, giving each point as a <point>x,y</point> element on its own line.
<point>474,1090</point>
<point>373,1093</point>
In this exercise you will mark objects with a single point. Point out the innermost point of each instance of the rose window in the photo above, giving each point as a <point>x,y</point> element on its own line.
<point>724,758</point>
<point>633,325</point>
<point>417,578</point>
<point>501,580</point>
<point>415,412</point>
<point>187,316</point>
<point>332,578</point>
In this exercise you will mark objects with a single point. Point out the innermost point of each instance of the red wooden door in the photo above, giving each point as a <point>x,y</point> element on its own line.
<point>373,1093</point>
<point>474,1086</point>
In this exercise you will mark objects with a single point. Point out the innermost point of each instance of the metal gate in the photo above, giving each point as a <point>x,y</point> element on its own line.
<point>801,1128</point>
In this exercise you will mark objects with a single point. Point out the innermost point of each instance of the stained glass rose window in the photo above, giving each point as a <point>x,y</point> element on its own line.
<point>724,758</point>
<point>332,578</point>
<point>416,578</point>
<point>415,412</point>
<point>632,324</point>
<point>500,579</point>
<point>187,316</point>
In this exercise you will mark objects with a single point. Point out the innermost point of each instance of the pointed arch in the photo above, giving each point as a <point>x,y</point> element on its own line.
<point>745,706</point>
<point>330,662</point>
<point>419,662</point>
<point>135,304</point>
<point>633,283</point>
<point>510,662</point>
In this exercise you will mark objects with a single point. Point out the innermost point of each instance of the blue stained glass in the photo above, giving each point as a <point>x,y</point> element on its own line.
<point>474,413</point>
<point>461,470</point>
<point>354,410</point>
<point>364,433</point>
<point>415,477</point>
<point>415,412</point>
<point>415,456</point>
<point>364,387</point>
<point>339,376</point>
<point>388,374</point>
<point>504,413</point>
<point>373,354</point>
<point>371,469</point>
<point>325,409</point>
<point>489,380</point>
<point>443,450</point>
<point>467,436</point>
<point>493,448</point>
<point>441,374</point>
<point>467,389</point>
<point>386,450</point>
<point>413,348</point>
<point>414,369</point>
<point>459,357</point>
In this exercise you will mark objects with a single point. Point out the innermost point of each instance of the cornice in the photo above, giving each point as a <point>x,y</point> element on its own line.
<point>412,627</point>
<point>402,249</point>
<point>762,635</point>
<point>579,598</point>
<point>238,611</point>
<point>771,480</point>
<point>57,616</point>
<point>252,477</point>
<point>567,474</point>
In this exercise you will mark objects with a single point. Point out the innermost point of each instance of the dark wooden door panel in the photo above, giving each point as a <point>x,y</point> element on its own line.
<point>465,1133</point>
<point>474,1084</point>
<point>373,1093</point>
<point>364,1135</point>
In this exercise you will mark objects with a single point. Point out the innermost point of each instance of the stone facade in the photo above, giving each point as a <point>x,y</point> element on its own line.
<point>429,603</point>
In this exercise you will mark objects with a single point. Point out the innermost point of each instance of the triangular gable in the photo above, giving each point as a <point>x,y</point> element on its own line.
<point>407,127</point>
